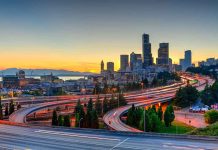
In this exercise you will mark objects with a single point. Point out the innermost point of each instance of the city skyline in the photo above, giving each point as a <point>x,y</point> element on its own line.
<point>77,35</point>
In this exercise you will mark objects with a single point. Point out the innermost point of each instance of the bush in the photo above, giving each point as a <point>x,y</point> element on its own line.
<point>211,130</point>
<point>211,116</point>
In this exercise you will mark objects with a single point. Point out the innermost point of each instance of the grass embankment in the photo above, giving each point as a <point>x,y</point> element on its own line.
<point>211,130</point>
<point>176,128</point>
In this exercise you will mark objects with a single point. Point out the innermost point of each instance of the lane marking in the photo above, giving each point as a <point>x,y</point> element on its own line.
<point>74,135</point>
<point>182,147</point>
<point>119,143</point>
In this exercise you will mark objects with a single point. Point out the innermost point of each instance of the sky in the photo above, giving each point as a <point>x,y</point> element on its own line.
<point>77,34</point>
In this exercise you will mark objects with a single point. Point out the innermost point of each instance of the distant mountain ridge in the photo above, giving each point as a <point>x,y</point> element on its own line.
<point>39,72</point>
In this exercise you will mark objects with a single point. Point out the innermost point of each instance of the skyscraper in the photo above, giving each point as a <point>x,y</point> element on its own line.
<point>134,60</point>
<point>102,65</point>
<point>187,59</point>
<point>181,62</point>
<point>124,62</point>
<point>110,67</point>
<point>163,54</point>
<point>146,51</point>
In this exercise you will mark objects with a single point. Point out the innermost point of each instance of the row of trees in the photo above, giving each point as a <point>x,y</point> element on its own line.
<point>102,106</point>
<point>149,120</point>
<point>186,96</point>
<point>61,120</point>
<point>87,115</point>
<point>9,108</point>
<point>204,70</point>
<point>209,95</point>
<point>88,119</point>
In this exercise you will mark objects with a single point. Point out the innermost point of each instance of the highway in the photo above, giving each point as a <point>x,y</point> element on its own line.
<point>20,115</point>
<point>43,138</point>
<point>112,118</point>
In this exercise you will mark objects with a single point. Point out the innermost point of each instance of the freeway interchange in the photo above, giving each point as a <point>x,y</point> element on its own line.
<point>46,137</point>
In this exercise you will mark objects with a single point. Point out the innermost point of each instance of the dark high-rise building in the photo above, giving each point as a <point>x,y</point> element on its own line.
<point>146,51</point>
<point>124,62</point>
<point>102,65</point>
<point>188,59</point>
<point>134,59</point>
<point>163,54</point>
<point>110,67</point>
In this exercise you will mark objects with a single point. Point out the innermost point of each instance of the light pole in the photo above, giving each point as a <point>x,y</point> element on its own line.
<point>118,100</point>
<point>102,107</point>
<point>144,121</point>
<point>80,121</point>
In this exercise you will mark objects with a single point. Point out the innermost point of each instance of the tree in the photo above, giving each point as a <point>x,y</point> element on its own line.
<point>155,122</point>
<point>94,120</point>
<point>78,106</point>
<point>77,118</point>
<point>98,106</point>
<point>67,121</point>
<point>154,82</point>
<point>186,96</point>
<point>88,119</point>
<point>160,113</point>
<point>211,116</point>
<point>122,100</point>
<point>80,117</point>
<point>147,125</point>
<point>54,118</point>
<point>60,120</point>
<point>112,103</point>
<point>130,115</point>
<point>11,107</point>
<point>90,105</point>
<point>172,115</point>
<point>209,95</point>
<point>169,116</point>
<point>145,82</point>
<point>6,110</point>
<point>154,108</point>
<point>105,105</point>
<point>18,106</point>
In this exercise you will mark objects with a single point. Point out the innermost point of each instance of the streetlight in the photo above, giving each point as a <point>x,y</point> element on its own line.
<point>142,84</point>
<point>144,121</point>
<point>80,121</point>
<point>118,99</point>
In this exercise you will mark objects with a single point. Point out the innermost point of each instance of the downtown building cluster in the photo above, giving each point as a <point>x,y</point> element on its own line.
<point>136,67</point>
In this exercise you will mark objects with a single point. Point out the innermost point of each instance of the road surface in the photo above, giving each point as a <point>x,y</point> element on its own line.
<point>190,118</point>
<point>42,138</point>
